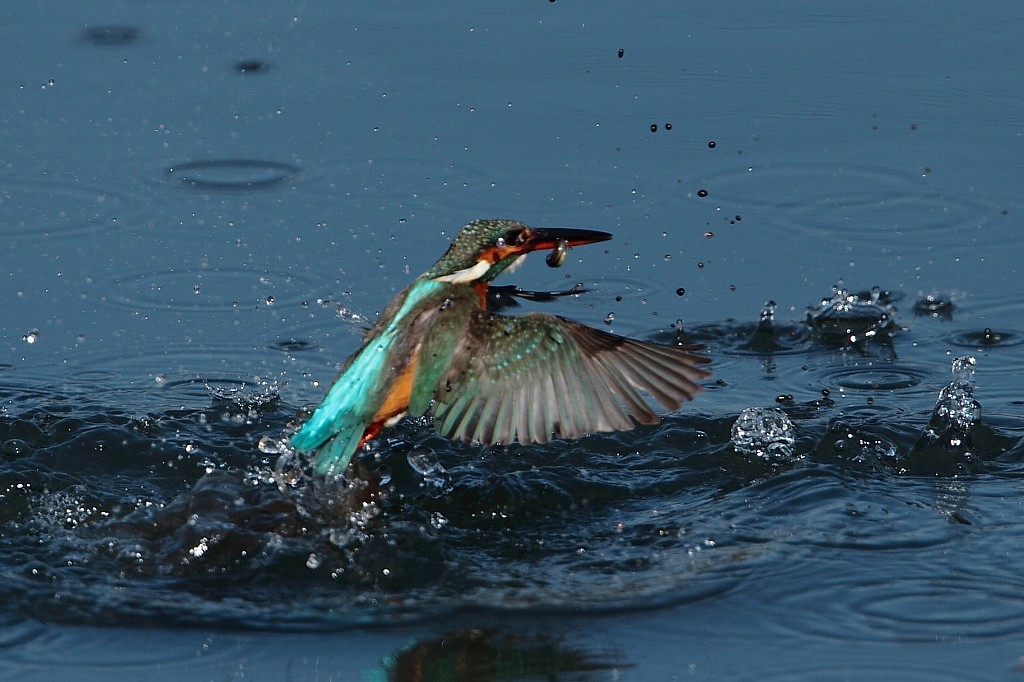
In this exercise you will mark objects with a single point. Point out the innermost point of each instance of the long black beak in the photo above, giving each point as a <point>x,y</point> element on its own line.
<point>552,237</point>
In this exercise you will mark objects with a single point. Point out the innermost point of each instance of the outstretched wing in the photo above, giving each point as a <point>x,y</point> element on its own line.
<point>537,376</point>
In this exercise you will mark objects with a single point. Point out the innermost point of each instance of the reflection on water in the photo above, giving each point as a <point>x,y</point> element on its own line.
<point>482,656</point>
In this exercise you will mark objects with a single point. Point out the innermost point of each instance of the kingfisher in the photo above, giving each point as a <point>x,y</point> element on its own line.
<point>487,377</point>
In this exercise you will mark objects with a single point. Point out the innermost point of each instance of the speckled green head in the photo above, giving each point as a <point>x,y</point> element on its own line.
<point>486,248</point>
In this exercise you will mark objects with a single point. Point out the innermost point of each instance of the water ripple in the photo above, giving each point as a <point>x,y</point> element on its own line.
<point>232,174</point>
<point>942,605</point>
<point>877,377</point>
<point>207,290</point>
<point>986,339</point>
<point>880,205</point>
<point>50,208</point>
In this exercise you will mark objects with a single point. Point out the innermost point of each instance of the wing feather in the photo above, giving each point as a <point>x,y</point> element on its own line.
<point>537,376</point>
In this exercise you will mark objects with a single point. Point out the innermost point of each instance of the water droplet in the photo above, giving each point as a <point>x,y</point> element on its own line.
<point>680,291</point>
<point>609,318</point>
<point>711,144</point>
<point>654,127</point>
<point>702,193</point>
<point>621,52</point>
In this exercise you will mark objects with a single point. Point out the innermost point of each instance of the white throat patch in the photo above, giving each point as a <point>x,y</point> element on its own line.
<point>466,275</point>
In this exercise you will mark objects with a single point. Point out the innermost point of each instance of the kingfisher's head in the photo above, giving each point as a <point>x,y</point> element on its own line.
<point>486,248</point>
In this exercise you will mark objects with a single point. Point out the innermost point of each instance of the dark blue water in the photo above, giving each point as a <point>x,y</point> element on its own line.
<point>202,207</point>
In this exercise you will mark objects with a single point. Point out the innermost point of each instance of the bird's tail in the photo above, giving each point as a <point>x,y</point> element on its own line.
<point>333,455</point>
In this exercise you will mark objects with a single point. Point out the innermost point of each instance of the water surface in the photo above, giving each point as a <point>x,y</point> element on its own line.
<point>203,207</point>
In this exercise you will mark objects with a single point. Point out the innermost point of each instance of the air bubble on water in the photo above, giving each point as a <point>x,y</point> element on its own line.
<point>160,379</point>
<point>609,318</point>
<point>764,431</point>
<point>312,561</point>
<point>31,336</point>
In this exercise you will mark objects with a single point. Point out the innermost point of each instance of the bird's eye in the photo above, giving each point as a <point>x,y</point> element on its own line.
<point>517,237</point>
<point>512,238</point>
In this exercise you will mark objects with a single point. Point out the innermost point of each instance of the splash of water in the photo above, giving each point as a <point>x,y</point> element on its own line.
<point>949,442</point>
<point>765,338</point>
<point>853,318</point>
<point>436,479</point>
<point>764,431</point>
<point>956,406</point>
